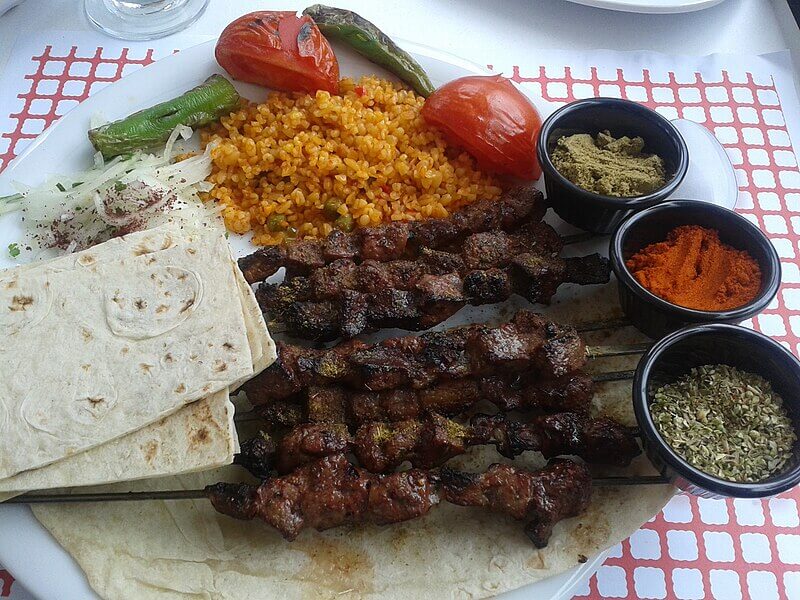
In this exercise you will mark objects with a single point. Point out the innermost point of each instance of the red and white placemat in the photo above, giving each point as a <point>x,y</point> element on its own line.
<point>695,548</point>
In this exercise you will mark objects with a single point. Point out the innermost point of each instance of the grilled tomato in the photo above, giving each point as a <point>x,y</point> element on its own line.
<point>279,50</point>
<point>491,119</point>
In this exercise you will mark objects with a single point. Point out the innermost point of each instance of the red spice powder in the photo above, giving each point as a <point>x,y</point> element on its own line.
<point>694,269</point>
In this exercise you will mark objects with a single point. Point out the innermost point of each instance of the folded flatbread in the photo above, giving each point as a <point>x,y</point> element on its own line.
<point>149,241</point>
<point>134,338</point>
<point>199,436</point>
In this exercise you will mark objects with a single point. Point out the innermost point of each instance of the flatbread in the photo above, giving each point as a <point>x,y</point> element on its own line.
<point>182,550</point>
<point>185,550</point>
<point>198,437</point>
<point>262,346</point>
<point>134,339</point>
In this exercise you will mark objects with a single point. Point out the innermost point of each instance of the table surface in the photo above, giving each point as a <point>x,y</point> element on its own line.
<point>510,31</point>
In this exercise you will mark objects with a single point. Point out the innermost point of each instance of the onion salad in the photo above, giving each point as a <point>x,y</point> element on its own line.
<point>125,194</point>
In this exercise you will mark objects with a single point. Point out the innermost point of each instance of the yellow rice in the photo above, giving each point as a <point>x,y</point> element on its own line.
<point>370,150</point>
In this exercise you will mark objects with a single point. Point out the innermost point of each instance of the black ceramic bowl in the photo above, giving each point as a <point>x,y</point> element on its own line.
<point>655,316</point>
<point>716,343</point>
<point>595,212</point>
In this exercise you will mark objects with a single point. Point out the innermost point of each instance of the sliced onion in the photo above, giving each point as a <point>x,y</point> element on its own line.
<point>90,209</point>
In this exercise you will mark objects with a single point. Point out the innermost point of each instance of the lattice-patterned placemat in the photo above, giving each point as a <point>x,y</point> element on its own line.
<point>695,548</point>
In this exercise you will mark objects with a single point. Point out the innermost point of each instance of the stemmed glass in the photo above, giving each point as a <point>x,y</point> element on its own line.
<point>143,19</point>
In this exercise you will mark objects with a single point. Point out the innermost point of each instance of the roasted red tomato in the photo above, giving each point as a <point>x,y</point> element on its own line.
<point>279,50</point>
<point>490,119</point>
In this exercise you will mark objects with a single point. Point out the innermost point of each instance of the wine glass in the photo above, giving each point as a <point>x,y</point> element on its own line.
<point>143,19</point>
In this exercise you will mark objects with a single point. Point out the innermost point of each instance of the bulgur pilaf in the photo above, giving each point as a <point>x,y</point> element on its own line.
<point>367,151</point>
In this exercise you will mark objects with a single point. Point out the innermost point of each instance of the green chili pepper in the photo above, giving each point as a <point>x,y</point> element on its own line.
<point>276,223</point>
<point>148,128</point>
<point>345,223</point>
<point>369,41</point>
<point>331,208</point>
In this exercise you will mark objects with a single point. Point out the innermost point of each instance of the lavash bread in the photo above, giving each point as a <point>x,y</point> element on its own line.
<point>198,437</point>
<point>184,550</point>
<point>138,338</point>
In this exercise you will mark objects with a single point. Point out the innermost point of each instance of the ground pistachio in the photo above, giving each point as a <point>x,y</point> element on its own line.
<point>726,422</point>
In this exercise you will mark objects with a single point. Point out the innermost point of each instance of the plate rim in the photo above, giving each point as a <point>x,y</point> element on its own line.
<point>20,519</point>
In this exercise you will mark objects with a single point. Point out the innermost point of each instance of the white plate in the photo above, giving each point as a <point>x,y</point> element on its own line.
<point>26,548</point>
<point>6,5</point>
<point>650,6</point>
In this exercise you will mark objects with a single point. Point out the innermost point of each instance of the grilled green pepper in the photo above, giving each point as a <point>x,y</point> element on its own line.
<point>369,41</point>
<point>148,128</point>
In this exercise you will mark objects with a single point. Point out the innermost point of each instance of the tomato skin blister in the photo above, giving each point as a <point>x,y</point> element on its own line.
<point>278,50</point>
<point>492,120</point>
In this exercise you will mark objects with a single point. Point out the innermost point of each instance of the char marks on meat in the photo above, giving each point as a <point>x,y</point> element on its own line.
<point>432,440</point>
<point>326,493</point>
<point>331,492</point>
<point>396,240</point>
<point>338,404</point>
<point>545,497</point>
<point>345,298</point>
<point>526,344</point>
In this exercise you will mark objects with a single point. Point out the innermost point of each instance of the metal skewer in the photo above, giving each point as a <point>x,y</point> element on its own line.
<point>107,497</point>
<point>600,325</point>
<point>622,350</point>
<point>199,494</point>
<point>613,376</point>
<point>280,326</point>
<point>591,351</point>
<point>577,238</point>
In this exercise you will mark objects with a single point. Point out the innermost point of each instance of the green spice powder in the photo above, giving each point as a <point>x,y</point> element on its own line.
<point>726,422</point>
<point>608,166</point>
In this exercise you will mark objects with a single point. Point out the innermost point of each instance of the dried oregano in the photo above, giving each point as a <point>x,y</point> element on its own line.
<point>726,422</point>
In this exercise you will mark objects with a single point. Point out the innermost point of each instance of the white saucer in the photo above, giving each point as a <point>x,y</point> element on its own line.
<point>710,177</point>
<point>650,6</point>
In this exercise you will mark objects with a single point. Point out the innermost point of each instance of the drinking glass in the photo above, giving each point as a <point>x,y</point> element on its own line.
<point>143,19</point>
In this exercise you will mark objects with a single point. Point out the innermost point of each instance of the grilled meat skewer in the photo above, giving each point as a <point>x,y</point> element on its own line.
<point>331,492</point>
<point>559,491</point>
<point>528,343</point>
<point>381,447</point>
<point>401,239</point>
<point>479,251</point>
<point>344,299</point>
<point>337,404</point>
